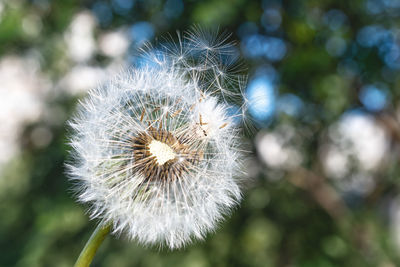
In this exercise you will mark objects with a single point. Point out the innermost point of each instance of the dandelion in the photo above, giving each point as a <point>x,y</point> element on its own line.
<point>157,149</point>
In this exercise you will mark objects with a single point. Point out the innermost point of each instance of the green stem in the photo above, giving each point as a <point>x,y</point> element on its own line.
<point>94,242</point>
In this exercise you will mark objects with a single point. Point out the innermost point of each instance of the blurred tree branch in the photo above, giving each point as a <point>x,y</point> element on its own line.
<point>323,193</point>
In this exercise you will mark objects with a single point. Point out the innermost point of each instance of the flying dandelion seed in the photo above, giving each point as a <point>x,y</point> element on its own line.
<point>156,150</point>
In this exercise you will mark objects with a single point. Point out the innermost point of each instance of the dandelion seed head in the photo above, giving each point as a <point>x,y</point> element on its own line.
<point>156,151</point>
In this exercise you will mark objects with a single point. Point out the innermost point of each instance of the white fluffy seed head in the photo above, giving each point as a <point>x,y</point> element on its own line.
<point>156,150</point>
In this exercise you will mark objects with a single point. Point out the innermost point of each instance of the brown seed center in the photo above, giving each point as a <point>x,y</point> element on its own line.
<point>159,155</point>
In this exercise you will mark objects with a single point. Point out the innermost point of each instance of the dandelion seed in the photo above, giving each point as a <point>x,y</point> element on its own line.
<point>156,152</point>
